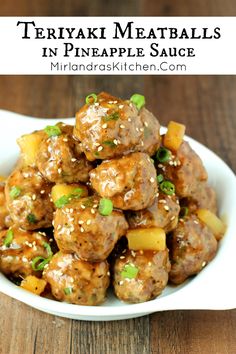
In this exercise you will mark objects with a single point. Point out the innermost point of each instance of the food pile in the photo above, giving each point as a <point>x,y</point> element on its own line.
<point>109,202</point>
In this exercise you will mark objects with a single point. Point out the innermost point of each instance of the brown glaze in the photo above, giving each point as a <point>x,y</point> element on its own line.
<point>130,182</point>
<point>130,130</point>
<point>151,279</point>
<point>162,213</point>
<point>76,281</point>
<point>61,160</point>
<point>192,245</point>
<point>16,259</point>
<point>3,209</point>
<point>34,199</point>
<point>203,198</point>
<point>80,228</point>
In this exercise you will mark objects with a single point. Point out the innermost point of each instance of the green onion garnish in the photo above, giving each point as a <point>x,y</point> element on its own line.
<point>65,199</point>
<point>183,212</point>
<point>105,207</point>
<point>8,239</point>
<point>15,192</point>
<point>129,271</point>
<point>48,248</point>
<point>91,99</point>
<point>160,178</point>
<point>31,218</point>
<point>167,187</point>
<point>138,100</point>
<point>109,143</point>
<point>112,116</point>
<point>163,154</point>
<point>38,263</point>
<point>52,130</point>
<point>68,291</point>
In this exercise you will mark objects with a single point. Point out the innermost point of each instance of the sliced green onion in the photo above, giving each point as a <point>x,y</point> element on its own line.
<point>68,291</point>
<point>38,263</point>
<point>15,192</point>
<point>138,100</point>
<point>65,199</point>
<point>129,271</point>
<point>160,178</point>
<point>105,207</point>
<point>112,116</point>
<point>109,143</point>
<point>167,187</point>
<point>91,99</point>
<point>48,248</point>
<point>52,130</point>
<point>183,212</point>
<point>31,218</point>
<point>8,239</point>
<point>163,154</point>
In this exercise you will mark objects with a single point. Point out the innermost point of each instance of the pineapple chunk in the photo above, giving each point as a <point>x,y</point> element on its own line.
<point>33,284</point>
<point>174,136</point>
<point>62,190</point>
<point>29,145</point>
<point>213,222</point>
<point>147,239</point>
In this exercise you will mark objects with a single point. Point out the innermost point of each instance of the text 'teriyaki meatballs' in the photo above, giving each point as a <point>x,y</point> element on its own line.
<point>76,281</point>
<point>162,213</point>
<point>81,228</point>
<point>130,182</point>
<point>192,245</point>
<point>28,199</point>
<point>185,170</point>
<point>18,249</point>
<point>141,275</point>
<point>109,127</point>
<point>60,159</point>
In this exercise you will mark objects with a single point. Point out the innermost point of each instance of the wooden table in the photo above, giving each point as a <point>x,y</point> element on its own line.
<point>207,105</point>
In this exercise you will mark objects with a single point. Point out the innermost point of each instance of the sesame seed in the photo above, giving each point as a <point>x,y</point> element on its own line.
<point>166,208</point>
<point>203,264</point>
<point>133,253</point>
<point>100,148</point>
<point>95,206</point>
<point>59,227</point>
<point>96,144</point>
<point>82,229</point>
<point>80,222</point>
<point>160,165</point>
<point>118,141</point>
<point>42,191</point>
<point>59,170</point>
<point>92,211</point>
<point>122,257</point>
<point>67,210</point>
<point>175,163</point>
<point>121,106</point>
<point>71,210</point>
<point>131,105</point>
<point>149,263</point>
<point>142,143</point>
<point>178,163</point>
<point>96,104</point>
<point>53,223</point>
<point>172,218</point>
<point>104,126</point>
<point>65,140</point>
<point>88,222</point>
<point>26,175</point>
<point>122,126</point>
<point>152,180</point>
<point>129,120</point>
<point>73,159</point>
<point>141,251</point>
<point>83,206</point>
<point>171,163</point>
<point>141,129</point>
<point>146,124</point>
<point>115,142</point>
<point>121,282</point>
<point>24,259</point>
<point>162,201</point>
<point>115,102</point>
<point>34,197</point>
<point>137,129</point>
<point>108,273</point>
<point>181,220</point>
<point>195,222</point>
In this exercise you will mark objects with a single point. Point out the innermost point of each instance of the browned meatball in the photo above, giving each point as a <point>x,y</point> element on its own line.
<point>130,182</point>
<point>16,255</point>
<point>192,245</point>
<point>185,170</point>
<point>140,276</point>
<point>203,198</point>
<point>3,209</point>
<point>60,159</point>
<point>80,228</point>
<point>28,199</point>
<point>112,127</point>
<point>162,213</point>
<point>76,281</point>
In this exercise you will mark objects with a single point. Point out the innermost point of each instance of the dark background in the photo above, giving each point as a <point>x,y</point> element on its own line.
<point>206,104</point>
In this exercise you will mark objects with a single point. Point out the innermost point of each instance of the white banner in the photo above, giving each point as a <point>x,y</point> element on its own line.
<point>118,45</point>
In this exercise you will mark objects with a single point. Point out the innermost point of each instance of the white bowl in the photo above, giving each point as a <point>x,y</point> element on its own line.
<point>214,288</point>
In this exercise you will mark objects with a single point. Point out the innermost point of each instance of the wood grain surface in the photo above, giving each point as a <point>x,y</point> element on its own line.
<point>206,104</point>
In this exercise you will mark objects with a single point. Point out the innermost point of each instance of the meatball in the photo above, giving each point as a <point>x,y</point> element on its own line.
<point>111,127</point>
<point>81,229</point>
<point>3,210</point>
<point>162,213</point>
<point>140,276</point>
<point>60,158</point>
<point>130,182</point>
<point>203,198</point>
<point>28,199</point>
<point>186,170</point>
<point>17,250</point>
<point>76,281</point>
<point>192,245</point>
